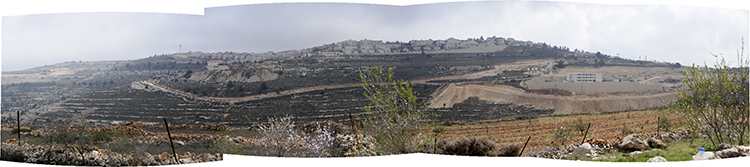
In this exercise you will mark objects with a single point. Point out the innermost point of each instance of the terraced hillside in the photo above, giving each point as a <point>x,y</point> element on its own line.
<point>122,104</point>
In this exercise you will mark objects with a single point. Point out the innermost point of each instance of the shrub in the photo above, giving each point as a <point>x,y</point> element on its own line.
<point>562,134</point>
<point>579,125</point>
<point>664,123</point>
<point>471,146</point>
<point>394,113</point>
<point>321,142</point>
<point>714,100</point>
<point>280,136</point>
<point>510,150</point>
<point>15,130</point>
<point>625,130</point>
<point>101,137</point>
<point>12,155</point>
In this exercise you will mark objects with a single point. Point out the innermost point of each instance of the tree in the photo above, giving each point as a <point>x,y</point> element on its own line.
<point>280,135</point>
<point>394,114</point>
<point>714,101</point>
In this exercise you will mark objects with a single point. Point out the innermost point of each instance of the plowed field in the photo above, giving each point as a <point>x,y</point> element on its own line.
<point>603,126</point>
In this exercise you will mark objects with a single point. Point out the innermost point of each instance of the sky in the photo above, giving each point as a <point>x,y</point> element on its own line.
<point>671,31</point>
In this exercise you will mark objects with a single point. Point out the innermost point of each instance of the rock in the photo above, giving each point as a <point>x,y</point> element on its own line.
<point>179,143</point>
<point>633,142</point>
<point>10,141</point>
<point>723,146</point>
<point>593,153</point>
<point>585,147</point>
<point>732,152</point>
<point>186,161</point>
<point>657,159</point>
<point>656,143</point>
<point>635,153</point>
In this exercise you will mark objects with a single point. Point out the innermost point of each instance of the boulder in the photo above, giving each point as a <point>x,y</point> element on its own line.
<point>723,146</point>
<point>657,159</point>
<point>656,143</point>
<point>633,142</point>
<point>585,147</point>
<point>731,152</point>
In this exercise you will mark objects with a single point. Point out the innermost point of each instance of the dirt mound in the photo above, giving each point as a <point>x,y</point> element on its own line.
<point>455,93</point>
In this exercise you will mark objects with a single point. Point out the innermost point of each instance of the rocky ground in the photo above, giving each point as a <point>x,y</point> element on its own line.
<point>632,144</point>
<point>93,156</point>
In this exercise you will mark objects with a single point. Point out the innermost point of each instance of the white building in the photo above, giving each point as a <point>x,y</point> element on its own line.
<point>583,77</point>
<point>213,64</point>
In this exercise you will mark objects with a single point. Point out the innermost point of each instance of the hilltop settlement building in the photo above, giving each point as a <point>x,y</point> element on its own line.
<point>583,77</point>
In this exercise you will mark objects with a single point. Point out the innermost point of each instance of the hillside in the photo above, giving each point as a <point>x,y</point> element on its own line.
<point>321,83</point>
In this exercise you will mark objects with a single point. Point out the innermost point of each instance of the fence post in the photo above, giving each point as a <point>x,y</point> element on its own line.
<point>18,121</point>
<point>169,135</point>
<point>524,146</point>
<point>587,132</point>
<point>356,135</point>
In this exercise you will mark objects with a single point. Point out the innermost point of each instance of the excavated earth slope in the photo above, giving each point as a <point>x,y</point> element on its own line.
<point>455,93</point>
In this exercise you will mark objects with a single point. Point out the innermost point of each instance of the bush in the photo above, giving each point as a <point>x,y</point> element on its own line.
<point>280,135</point>
<point>12,155</point>
<point>714,100</point>
<point>321,143</point>
<point>471,146</point>
<point>562,134</point>
<point>625,130</point>
<point>101,137</point>
<point>511,150</point>
<point>579,125</point>
<point>394,113</point>
<point>664,123</point>
<point>15,130</point>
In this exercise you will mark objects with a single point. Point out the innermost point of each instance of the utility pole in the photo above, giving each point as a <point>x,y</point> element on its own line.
<point>180,49</point>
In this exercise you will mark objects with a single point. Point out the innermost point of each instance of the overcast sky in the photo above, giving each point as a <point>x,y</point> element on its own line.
<point>664,33</point>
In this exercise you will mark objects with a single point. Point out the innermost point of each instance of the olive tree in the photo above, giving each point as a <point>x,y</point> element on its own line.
<point>394,114</point>
<point>714,100</point>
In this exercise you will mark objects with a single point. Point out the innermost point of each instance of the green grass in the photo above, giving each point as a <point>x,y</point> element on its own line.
<point>677,151</point>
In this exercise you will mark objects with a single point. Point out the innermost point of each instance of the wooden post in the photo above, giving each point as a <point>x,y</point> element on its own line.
<point>524,146</point>
<point>434,148</point>
<point>356,135</point>
<point>587,132</point>
<point>169,135</point>
<point>488,132</point>
<point>18,121</point>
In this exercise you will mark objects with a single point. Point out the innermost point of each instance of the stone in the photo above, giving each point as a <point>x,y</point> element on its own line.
<point>723,146</point>
<point>657,159</point>
<point>179,143</point>
<point>585,147</point>
<point>186,161</point>
<point>731,152</point>
<point>656,143</point>
<point>635,153</point>
<point>633,142</point>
